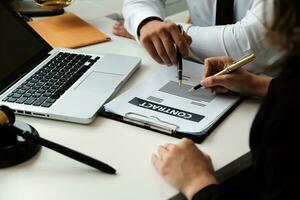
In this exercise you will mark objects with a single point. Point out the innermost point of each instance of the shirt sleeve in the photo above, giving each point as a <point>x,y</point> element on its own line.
<point>136,11</point>
<point>211,192</point>
<point>245,36</point>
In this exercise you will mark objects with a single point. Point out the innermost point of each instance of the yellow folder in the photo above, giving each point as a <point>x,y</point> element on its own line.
<point>68,31</point>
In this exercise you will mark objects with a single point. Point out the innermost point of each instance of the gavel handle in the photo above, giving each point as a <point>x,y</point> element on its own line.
<point>66,151</point>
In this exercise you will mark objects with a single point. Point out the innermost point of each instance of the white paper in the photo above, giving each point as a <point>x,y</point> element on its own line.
<point>183,109</point>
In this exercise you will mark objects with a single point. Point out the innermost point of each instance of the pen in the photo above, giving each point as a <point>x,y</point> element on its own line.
<point>179,60</point>
<point>236,65</point>
<point>68,152</point>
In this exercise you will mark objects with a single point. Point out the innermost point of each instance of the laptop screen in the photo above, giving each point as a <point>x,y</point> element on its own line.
<point>20,46</point>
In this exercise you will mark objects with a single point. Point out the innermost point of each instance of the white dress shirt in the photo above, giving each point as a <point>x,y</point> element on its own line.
<point>246,36</point>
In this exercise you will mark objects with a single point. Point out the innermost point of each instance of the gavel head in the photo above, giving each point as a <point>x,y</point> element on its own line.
<point>7,116</point>
<point>14,150</point>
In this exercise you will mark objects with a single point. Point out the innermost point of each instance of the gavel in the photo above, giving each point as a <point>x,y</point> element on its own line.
<point>7,120</point>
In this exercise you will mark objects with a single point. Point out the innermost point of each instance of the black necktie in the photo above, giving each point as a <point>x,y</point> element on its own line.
<point>224,13</point>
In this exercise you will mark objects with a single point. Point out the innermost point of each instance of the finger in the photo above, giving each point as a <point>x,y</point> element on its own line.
<point>152,51</point>
<point>118,23</point>
<point>179,40</point>
<point>226,61</point>
<point>156,161</point>
<point>208,158</point>
<point>170,48</point>
<point>186,141</point>
<point>214,81</point>
<point>211,66</point>
<point>162,151</point>
<point>220,90</point>
<point>187,38</point>
<point>216,64</point>
<point>158,44</point>
<point>211,90</point>
<point>169,146</point>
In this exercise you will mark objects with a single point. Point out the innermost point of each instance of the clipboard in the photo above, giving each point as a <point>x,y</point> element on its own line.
<point>164,129</point>
<point>158,104</point>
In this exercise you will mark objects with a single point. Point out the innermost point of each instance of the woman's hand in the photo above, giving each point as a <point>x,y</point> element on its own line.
<point>185,167</point>
<point>240,81</point>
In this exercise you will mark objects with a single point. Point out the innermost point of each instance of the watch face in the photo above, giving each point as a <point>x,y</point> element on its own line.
<point>54,4</point>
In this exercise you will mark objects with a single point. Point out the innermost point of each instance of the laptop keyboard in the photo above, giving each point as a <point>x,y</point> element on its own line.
<point>49,83</point>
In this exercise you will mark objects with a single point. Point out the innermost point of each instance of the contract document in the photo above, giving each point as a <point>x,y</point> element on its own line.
<point>160,104</point>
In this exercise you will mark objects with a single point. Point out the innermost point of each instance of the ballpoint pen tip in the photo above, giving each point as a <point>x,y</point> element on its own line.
<point>180,84</point>
<point>191,90</point>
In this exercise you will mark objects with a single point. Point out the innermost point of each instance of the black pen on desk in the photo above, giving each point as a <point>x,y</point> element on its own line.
<point>69,152</point>
<point>179,60</point>
<point>236,65</point>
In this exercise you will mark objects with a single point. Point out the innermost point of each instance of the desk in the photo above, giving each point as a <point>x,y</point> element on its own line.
<point>128,148</point>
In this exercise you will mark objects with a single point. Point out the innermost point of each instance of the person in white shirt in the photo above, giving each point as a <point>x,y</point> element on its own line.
<point>144,20</point>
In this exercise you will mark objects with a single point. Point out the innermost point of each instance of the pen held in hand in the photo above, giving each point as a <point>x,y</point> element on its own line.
<point>236,65</point>
<point>179,71</point>
<point>179,61</point>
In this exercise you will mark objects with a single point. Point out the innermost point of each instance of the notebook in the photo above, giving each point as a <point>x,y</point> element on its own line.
<point>67,30</point>
<point>55,83</point>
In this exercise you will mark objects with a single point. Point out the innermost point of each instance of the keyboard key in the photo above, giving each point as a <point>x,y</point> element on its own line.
<point>16,95</point>
<point>47,94</point>
<point>50,100</point>
<point>21,100</point>
<point>26,95</point>
<point>36,95</point>
<point>21,91</point>
<point>12,99</point>
<point>15,91</point>
<point>30,101</point>
<point>39,101</point>
<point>31,91</point>
<point>47,105</point>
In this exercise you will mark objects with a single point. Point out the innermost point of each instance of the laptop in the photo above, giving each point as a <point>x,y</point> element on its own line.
<point>55,83</point>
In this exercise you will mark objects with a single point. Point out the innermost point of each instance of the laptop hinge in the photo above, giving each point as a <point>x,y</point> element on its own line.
<point>33,63</point>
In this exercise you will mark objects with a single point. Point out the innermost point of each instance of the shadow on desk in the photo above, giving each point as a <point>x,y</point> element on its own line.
<point>230,174</point>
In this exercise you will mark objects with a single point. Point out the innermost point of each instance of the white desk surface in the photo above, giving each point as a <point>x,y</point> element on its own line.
<point>50,175</point>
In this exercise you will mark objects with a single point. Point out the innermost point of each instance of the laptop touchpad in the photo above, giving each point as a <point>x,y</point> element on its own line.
<point>100,82</point>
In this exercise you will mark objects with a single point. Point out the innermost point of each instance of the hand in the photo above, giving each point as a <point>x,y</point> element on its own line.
<point>185,167</point>
<point>120,30</point>
<point>159,39</point>
<point>240,81</point>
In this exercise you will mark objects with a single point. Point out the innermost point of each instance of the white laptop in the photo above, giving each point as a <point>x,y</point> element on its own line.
<point>61,84</point>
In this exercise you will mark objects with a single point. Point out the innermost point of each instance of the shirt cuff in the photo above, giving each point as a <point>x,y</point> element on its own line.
<point>207,193</point>
<point>134,23</point>
<point>185,26</point>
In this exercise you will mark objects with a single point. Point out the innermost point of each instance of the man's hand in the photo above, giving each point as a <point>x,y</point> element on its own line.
<point>185,167</point>
<point>160,38</point>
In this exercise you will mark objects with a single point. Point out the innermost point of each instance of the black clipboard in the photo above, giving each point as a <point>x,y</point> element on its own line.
<point>177,134</point>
